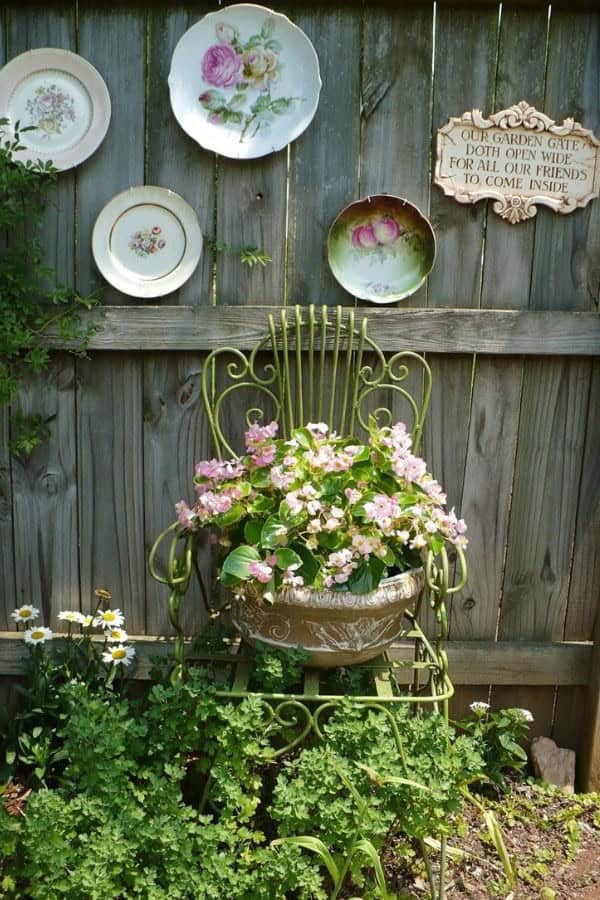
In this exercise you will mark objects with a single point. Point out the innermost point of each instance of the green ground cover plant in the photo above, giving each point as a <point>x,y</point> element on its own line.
<point>177,794</point>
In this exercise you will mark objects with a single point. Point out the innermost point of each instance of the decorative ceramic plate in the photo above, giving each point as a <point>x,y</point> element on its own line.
<point>381,248</point>
<point>244,81</point>
<point>147,241</point>
<point>63,97</point>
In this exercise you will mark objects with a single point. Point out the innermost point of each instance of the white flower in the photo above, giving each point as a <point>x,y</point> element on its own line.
<point>86,621</point>
<point>37,635</point>
<point>479,706</point>
<point>69,615</point>
<point>116,635</point>
<point>119,655</point>
<point>25,613</point>
<point>526,714</point>
<point>110,618</point>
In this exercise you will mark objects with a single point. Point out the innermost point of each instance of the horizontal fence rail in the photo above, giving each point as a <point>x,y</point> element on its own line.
<point>502,332</point>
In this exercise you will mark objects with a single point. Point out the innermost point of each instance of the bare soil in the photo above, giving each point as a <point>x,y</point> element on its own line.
<point>553,840</point>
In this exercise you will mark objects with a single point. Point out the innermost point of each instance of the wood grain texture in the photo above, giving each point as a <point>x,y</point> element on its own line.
<point>397,82</point>
<point>555,393</point>
<point>175,437</point>
<point>470,661</point>
<point>45,498</point>
<point>111,483</point>
<point>464,72</point>
<point>589,763</point>
<point>173,159</point>
<point>542,520</point>
<point>489,470</point>
<point>566,262</point>
<point>486,496</point>
<point>45,484</point>
<point>501,332</point>
<point>251,211</point>
<point>114,41</point>
<point>324,160</point>
<point>7,550</point>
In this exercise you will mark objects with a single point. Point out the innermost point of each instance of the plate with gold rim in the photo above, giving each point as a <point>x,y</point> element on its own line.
<point>147,241</point>
<point>62,101</point>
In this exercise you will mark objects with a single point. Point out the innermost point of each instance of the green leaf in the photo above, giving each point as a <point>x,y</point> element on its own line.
<point>10,757</point>
<point>274,533</point>
<point>366,847</point>
<point>268,28</point>
<point>315,845</point>
<point>237,563</point>
<point>367,576</point>
<point>233,514</point>
<point>310,564</point>
<point>304,438</point>
<point>260,478</point>
<point>286,558</point>
<point>252,530</point>
<point>495,832</point>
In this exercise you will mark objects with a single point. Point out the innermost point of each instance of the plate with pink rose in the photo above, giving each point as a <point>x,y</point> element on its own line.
<point>244,81</point>
<point>381,248</point>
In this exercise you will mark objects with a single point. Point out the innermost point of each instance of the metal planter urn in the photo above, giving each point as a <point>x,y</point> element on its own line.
<point>336,628</point>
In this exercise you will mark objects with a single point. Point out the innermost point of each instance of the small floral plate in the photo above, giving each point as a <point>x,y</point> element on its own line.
<point>63,98</point>
<point>147,241</point>
<point>244,81</point>
<point>381,248</point>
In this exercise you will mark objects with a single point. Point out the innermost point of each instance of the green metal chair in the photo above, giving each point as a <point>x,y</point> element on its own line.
<point>317,364</point>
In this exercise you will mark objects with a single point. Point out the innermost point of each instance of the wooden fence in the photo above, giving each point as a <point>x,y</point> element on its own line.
<point>509,319</point>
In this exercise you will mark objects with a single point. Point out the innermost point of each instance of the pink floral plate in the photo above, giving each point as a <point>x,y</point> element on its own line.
<point>147,241</point>
<point>381,248</point>
<point>244,81</point>
<point>62,98</point>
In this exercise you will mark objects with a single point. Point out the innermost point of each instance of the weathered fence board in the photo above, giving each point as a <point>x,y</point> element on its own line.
<point>504,332</point>
<point>172,158</point>
<point>114,42</point>
<point>519,460</point>
<point>324,160</point>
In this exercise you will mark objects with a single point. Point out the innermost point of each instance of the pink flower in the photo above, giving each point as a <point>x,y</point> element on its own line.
<point>185,515</point>
<point>221,66</point>
<point>280,479</point>
<point>352,495</point>
<point>386,230</point>
<point>257,434</point>
<point>261,571</point>
<point>264,456</point>
<point>364,238</point>
<point>156,230</point>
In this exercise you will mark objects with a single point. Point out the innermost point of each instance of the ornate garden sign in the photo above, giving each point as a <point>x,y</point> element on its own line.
<point>520,158</point>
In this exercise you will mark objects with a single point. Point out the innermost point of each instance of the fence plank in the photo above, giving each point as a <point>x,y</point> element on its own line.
<point>324,160</point>
<point>173,159</point>
<point>251,211</point>
<point>464,71</point>
<point>470,661</point>
<point>7,550</point>
<point>113,40</point>
<point>494,422</point>
<point>555,393</point>
<point>110,455</point>
<point>175,437</point>
<point>45,484</point>
<point>425,330</point>
<point>396,86</point>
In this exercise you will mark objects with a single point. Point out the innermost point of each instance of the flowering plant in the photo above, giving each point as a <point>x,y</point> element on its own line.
<point>321,510</point>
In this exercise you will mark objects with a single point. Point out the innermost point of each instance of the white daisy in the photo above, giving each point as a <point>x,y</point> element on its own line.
<point>38,635</point>
<point>25,613</point>
<point>119,655</point>
<point>110,618</point>
<point>116,635</point>
<point>479,706</point>
<point>70,615</point>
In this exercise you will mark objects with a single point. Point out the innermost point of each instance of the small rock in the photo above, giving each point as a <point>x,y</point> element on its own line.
<point>553,764</point>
